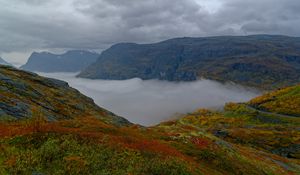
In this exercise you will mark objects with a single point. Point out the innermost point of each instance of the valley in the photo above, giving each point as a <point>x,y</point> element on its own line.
<point>149,102</point>
<point>78,137</point>
<point>156,87</point>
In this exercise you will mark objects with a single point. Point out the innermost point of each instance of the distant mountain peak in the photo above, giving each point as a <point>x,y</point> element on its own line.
<point>70,61</point>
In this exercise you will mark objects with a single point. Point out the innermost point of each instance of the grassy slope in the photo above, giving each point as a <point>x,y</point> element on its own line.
<point>242,126</point>
<point>89,146</point>
<point>237,141</point>
<point>283,101</point>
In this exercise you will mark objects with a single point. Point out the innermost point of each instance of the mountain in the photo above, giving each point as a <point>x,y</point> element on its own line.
<point>263,61</point>
<point>71,61</point>
<point>64,132</point>
<point>24,95</point>
<point>3,62</point>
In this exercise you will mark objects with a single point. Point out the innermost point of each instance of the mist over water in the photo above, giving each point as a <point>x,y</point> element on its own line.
<point>148,102</point>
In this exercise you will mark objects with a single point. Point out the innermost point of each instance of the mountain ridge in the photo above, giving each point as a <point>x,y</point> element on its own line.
<point>263,61</point>
<point>70,61</point>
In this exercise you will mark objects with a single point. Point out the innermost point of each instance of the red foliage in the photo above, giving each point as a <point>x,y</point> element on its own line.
<point>187,127</point>
<point>147,145</point>
<point>200,142</point>
<point>64,127</point>
<point>11,161</point>
<point>91,128</point>
<point>10,130</point>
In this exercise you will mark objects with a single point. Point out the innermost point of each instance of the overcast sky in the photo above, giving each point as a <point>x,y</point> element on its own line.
<point>57,25</point>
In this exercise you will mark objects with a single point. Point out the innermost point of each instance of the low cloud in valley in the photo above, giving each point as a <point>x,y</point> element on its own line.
<point>152,101</point>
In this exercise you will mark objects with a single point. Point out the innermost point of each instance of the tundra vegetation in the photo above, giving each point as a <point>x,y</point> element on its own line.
<point>244,138</point>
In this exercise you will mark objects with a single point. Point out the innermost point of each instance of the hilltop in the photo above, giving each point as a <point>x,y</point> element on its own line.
<point>71,61</point>
<point>24,94</point>
<point>238,140</point>
<point>263,61</point>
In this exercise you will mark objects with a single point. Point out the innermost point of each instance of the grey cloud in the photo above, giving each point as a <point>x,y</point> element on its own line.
<point>96,24</point>
<point>152,101</point>
<point>265,16</point>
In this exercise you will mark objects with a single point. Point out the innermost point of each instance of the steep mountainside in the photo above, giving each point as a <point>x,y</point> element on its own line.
<point>3,62</point>
<point>24,94</point>
<point>263,61</point>
<point>239,140</point>
<point>71,61</point>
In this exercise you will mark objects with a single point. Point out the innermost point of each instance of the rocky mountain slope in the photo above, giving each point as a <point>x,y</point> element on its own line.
<point>263,61</point>
<point>238,140</point>
<point>24,95</point>
<point>71,61</point>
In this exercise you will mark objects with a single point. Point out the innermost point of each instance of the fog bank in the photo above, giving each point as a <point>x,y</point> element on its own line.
<point>152,101</point>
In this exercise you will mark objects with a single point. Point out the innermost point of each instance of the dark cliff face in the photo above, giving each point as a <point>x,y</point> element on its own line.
<point>71,61</point>
<point>24,95</point>
<point>274,59</point>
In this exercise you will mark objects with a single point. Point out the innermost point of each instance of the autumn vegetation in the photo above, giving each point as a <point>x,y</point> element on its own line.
<point>283,101</point>
<point>237,140</point>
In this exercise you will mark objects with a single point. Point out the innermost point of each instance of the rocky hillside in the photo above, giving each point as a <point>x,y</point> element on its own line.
<point>85,139</point>
<point>24,95</point>
<point>71,61</point>
<point>263,61</point>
